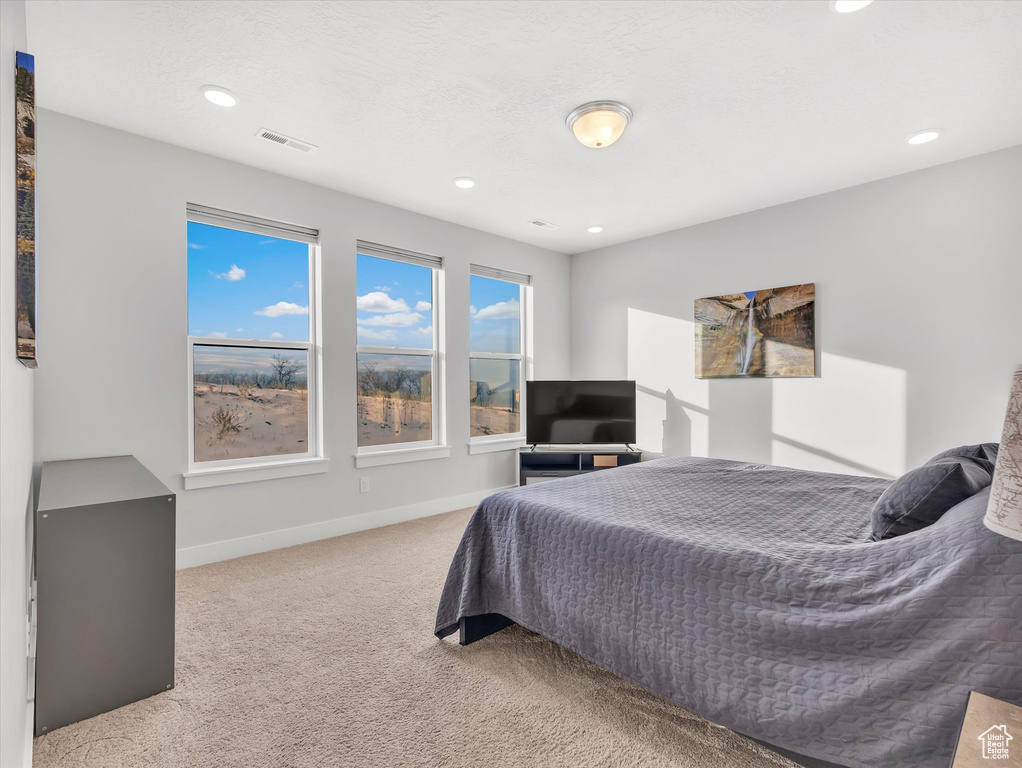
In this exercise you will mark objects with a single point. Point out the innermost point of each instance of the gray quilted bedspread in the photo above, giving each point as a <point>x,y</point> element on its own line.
<point>751,595</point>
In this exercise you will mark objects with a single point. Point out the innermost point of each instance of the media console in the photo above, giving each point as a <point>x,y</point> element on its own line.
<point>540,465</point>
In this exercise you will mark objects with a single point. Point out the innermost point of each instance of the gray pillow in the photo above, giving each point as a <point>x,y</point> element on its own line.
<point>919,498</point>
<point>984,452</point>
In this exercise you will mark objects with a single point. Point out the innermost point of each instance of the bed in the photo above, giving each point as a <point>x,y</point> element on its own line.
<point>752,595</point>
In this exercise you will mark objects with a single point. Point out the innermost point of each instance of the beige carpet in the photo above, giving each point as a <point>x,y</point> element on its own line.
<point>323,655</point>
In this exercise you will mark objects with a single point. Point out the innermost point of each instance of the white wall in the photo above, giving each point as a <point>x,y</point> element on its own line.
<point>113,324</point>
<point>919,321</point>
<point>16,383</point>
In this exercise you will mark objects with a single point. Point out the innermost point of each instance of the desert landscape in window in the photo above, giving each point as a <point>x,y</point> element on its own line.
<point>251,411</point>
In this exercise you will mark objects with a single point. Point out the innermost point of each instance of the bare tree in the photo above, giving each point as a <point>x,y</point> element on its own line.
<point>368,378</point>
<point>286,370</point>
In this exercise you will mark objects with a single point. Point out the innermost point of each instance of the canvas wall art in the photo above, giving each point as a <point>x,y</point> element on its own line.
<point>757,334</point>
<point>24,94</point>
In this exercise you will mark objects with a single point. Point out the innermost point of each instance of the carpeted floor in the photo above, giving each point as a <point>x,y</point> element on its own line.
<point>323,655</point>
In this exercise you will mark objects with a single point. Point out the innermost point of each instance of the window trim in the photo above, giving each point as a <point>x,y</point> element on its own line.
<point>506,440</point>
<point>436,447</point>
<point>496,443</point>
<point>401,455</point>
<point>203,474</point>
<point>210,478</point>
<point>494,273</point>
<point>217,217</point>
<point>392,253</point>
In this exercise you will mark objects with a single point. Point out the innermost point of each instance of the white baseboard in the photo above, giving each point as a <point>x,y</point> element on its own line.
<point>189,557</point>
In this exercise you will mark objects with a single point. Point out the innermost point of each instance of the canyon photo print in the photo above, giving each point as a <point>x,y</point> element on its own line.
<point>757,334</point>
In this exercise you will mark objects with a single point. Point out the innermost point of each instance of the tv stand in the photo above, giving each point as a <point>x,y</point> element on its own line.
<point>540,464</point>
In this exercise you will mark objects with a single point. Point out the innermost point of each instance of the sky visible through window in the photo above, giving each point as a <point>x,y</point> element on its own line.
<point>495,315</point>
<point>246,286</point>
<point>394,304</point>
<point>494,384</point>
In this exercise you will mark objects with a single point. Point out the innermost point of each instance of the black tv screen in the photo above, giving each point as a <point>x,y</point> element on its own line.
<point>572,412</point>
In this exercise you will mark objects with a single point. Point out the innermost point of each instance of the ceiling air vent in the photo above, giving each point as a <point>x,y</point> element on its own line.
<point>286,141</point>
<point>542,224</point>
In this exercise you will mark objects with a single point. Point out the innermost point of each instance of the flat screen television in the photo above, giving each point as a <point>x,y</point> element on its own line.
<point>580,412</point>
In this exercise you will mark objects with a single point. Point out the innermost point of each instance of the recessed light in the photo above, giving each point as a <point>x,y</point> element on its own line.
<point>464,182</point>
<point>849,6</point>
<point>219,96</point>
<point>923,137</point>
<point>599,124</point>
<point>595,229</point>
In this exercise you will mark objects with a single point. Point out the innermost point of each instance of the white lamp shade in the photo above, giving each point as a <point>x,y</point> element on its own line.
<point>1004,515</point>
<point>599,124</point>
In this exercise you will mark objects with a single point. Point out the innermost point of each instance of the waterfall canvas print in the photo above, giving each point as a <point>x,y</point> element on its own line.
<point>24,96</point>
<point>757,334</point>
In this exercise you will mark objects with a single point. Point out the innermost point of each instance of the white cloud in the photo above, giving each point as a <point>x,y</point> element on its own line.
<point>377,301</point>
<point>282,308</point>
<point>423,306</point>
<point>196,246</point>
<point>384,288</point>
<point>276,335</point>
<point>218,335</point>
<point>472,310</point>
<point>395,320</point>
<point>238,330</point>
<point>427,331</point>
<point>297,286</point>
<point>234,274</point>
<point>369,333</point>
<point>502,310</point>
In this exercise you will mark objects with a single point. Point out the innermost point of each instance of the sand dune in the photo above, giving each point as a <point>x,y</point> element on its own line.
<point>268,422</point>
<point>388,420</point>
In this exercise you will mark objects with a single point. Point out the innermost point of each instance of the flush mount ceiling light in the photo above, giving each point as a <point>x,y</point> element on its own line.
<point>219,96</point>
<point>464,182</point>
<point>595,229</point>
<point>849,6</point>
<point>923,137</point>
<point>599,124</point>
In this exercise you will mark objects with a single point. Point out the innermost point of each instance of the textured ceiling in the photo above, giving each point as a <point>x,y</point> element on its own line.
<point>738,105</point>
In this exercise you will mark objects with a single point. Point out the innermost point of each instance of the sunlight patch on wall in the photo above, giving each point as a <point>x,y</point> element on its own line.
<point>672,406</point>
<point>850,420</point>
<point>650,412</point>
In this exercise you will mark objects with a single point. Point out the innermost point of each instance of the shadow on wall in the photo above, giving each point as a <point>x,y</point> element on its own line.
<point>853,421</point>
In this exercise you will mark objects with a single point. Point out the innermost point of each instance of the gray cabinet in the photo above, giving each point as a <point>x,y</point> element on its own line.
<point>104,543</point>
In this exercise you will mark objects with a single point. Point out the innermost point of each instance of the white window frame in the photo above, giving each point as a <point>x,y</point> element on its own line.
<point>436,447</point>
<point>205,474</point>
<point>509,440</point>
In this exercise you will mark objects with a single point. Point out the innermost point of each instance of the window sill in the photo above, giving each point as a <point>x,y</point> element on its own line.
<point>484,445</point>
<point>208,478</point>
<point>401,456</point>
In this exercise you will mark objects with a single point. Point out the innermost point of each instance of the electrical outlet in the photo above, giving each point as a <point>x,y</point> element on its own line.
<point>363,485</point>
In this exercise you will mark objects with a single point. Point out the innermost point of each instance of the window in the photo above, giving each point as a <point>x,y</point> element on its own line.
<point>252,341</point>
<point>399,366</point>
<point>497,357</point>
